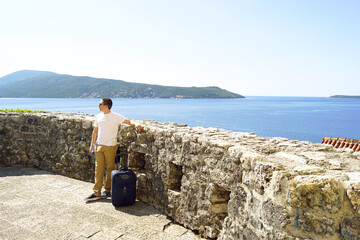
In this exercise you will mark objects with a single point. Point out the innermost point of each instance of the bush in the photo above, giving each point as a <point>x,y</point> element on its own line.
<point>23,110</point>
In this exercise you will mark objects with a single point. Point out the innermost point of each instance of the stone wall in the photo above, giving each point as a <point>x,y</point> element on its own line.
<point>223,184</point>
<point>53,142</point>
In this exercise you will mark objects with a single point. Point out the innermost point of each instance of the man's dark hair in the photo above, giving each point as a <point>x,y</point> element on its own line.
<point>107,102</point>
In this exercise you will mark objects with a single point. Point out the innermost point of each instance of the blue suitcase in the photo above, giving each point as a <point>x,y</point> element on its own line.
<point>123,187</point>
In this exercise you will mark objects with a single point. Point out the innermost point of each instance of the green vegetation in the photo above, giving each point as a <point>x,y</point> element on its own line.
<point>53,85</point>
<point>22,110</point>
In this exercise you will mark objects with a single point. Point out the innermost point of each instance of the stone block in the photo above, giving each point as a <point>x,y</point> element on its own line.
<point>24,129</point>
<point>87,125</point>
<point>72,131</point>
<point>316,192</point>
<point>353,193</point>
<point>275,215</point>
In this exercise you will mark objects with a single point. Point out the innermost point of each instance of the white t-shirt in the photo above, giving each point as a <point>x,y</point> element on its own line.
<point>108,127</point>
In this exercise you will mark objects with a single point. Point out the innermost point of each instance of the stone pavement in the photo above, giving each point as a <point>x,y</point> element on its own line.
<point>36,204</point>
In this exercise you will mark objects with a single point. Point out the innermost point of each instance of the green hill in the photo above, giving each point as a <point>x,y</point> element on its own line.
<point>40,84</point>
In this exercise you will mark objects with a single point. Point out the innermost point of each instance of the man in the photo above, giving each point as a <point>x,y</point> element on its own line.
<point>105,132</point>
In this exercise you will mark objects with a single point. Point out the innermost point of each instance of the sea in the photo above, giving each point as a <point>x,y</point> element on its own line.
<point>295,118</point>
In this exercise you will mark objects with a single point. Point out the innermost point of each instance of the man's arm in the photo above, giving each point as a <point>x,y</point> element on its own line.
<point>93,139</point>
<point>138,127</point>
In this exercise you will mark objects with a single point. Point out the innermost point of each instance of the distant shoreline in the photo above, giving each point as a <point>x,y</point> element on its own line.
<point>345,96</point>
<point>41,84</point>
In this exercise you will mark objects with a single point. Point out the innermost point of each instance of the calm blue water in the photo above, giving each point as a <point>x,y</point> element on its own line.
<point>300,118</point>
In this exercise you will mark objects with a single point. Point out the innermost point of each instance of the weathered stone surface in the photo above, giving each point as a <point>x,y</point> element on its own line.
<point>54,142</point>
<point>60,212</point>
<point>353,192</point>
<point>319,192</point>
<point>223,184</point>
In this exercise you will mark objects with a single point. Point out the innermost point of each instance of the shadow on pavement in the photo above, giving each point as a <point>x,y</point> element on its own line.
<point>22,171</point>
<point>138,209</point>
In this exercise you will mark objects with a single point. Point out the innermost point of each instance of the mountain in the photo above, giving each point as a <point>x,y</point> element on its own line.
<point>42,84</point>
<point>345,96</point>
<point>20,75</point>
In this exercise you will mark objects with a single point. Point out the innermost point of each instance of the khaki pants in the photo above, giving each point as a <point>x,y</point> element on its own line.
<point>104,154</point>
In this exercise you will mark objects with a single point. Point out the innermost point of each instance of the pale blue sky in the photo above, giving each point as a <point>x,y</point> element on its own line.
<point>254,48</point>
